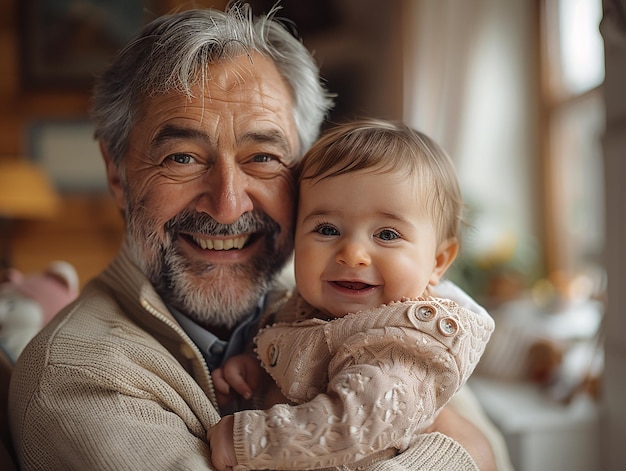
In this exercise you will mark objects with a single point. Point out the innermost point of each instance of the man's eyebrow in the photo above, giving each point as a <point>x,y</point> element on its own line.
<point>170,132</point>
<point>273,137</point>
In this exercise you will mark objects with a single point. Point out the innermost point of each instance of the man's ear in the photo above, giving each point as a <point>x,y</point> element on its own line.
<point>446,253</point>
<point>114,178</point>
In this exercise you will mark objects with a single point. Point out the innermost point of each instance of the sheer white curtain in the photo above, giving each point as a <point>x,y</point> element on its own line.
<point>439,38</point>
<point>470,82</point>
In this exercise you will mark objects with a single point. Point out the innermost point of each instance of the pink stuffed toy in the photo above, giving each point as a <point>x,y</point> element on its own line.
<point>27,303</point>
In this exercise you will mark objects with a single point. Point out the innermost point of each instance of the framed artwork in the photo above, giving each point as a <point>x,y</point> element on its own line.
<point>66,43</point>
<point>66,150</point>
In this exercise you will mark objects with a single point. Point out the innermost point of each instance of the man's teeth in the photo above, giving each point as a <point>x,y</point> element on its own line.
<point>221,244</point>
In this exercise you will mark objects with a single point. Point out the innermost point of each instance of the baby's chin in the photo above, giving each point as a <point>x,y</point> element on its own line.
<point>335,313</point>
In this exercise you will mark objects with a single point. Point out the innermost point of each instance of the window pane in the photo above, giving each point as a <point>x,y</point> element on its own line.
<point>582,53</point>
<point>579,181</point>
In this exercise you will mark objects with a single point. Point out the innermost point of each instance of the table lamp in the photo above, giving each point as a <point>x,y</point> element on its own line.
<point>25,194</point>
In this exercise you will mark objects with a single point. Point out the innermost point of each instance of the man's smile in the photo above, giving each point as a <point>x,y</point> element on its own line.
<point>220,244</point>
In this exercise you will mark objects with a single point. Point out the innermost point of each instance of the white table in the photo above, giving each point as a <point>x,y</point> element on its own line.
<point>541,434</point>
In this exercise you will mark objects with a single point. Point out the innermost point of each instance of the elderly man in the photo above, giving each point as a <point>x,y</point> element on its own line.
<point>200,120</point>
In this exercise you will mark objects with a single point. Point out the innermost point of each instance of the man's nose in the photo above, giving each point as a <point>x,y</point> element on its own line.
<point>353,254</point>
<point>225,197</point>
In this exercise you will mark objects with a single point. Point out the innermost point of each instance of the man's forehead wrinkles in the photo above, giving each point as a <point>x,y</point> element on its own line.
<point>251,98</point>
<point>255,112</point>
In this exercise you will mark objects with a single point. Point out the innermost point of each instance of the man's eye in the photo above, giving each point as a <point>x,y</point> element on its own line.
<point>264,166</point>
<point>388,234</point>
<point>181,158</point>
<point>260,158</point>
<point>326,230</point>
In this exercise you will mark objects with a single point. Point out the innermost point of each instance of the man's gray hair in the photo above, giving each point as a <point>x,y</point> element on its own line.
<point>172,52</point>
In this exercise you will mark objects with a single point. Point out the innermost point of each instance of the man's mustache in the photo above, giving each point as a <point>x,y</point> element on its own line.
<point>201,223</point>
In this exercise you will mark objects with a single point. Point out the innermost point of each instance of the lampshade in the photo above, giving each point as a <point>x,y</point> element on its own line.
<point>25,191</point>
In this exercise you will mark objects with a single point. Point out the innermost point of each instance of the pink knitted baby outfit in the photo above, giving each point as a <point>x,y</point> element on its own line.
<point>364,385</point>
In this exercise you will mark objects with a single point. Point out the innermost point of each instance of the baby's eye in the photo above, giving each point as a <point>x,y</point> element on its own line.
<point>326,230</point>
<point>387,234</point>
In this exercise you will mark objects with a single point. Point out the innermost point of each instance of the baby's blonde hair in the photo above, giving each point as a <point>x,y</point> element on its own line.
<point>385,146</point>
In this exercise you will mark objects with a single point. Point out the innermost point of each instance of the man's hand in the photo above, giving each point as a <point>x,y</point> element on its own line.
<point>220,438</point>
<point>470,437</point>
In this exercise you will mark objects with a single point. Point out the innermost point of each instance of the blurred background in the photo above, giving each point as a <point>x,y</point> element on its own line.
<point>514,90</point>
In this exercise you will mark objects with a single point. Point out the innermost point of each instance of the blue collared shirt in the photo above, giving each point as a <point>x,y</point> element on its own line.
<point>215,350</point>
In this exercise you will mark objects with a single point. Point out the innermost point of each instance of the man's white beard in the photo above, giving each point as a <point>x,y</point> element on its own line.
<point>213,296</point>
<point>210,295</point>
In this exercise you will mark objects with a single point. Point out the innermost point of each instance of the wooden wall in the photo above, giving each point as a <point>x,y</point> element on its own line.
<point>87,229</point>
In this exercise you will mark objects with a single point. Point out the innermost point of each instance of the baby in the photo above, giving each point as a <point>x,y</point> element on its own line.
<point>373,355</point>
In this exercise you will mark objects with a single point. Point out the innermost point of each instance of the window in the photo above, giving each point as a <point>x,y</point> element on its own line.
<point>572,74</point>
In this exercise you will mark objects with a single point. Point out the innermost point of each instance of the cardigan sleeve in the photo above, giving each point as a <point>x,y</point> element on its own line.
<point>386,385</point>
<point>88,395</point>
<point>297,354</point>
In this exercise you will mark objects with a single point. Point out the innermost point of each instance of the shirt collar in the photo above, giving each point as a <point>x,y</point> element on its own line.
<point>215,350</point>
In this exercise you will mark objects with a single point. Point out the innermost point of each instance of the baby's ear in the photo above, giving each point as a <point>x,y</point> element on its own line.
<point>446,253</point>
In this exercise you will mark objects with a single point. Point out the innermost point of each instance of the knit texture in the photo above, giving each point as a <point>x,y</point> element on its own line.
<point>113,383</point>
<point>365,385</point>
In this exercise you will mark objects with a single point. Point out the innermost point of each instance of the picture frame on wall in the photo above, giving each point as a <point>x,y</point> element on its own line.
<point>67,151</point>
<point>67,43</point>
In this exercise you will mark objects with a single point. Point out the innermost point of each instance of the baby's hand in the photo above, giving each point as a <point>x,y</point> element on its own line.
<point>241,373</point>
<point>220,438</point>
<point>224,394</point>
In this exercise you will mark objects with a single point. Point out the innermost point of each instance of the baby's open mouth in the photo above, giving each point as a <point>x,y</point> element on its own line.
<point>353,285</point>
